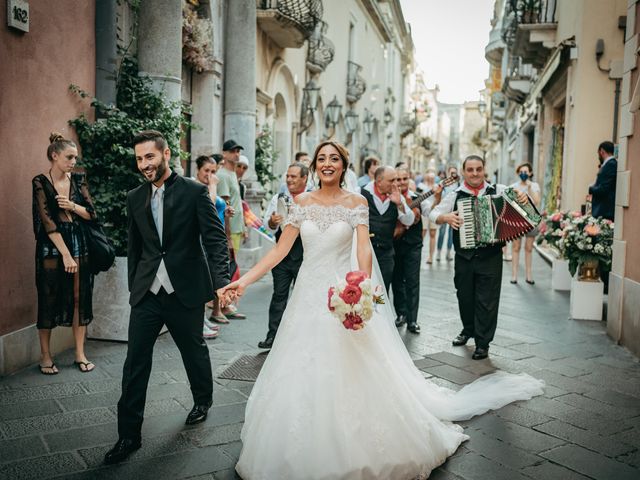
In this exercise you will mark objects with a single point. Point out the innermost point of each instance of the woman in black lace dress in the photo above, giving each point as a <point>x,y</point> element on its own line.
<point>60,201</point>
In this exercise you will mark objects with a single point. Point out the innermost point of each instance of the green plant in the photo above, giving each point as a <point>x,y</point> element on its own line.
<point>106,144</point>
<point>586,239</point>
<point>266,156</point>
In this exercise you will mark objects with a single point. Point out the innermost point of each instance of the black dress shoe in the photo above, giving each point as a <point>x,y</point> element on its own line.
<point>197,414</point>
<point>460,340</point>
<point>413,327</point>
<point>480,353</point>
<point>121,450</point>
<point>401,320</point>
<point>266,343</point>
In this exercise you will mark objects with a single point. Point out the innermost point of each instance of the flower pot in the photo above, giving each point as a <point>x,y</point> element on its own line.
<point>588,271</point>
<point>560,276</point>
<point>111,305</point>
<point>586,300</point>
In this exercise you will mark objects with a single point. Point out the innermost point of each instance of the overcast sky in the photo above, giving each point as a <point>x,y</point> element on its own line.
<point>449,38</point>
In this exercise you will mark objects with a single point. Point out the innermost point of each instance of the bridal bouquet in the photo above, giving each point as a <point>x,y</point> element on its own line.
<point>353,300</point>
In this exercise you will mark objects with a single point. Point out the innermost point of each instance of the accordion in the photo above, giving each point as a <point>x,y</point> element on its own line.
<point>495,219</point>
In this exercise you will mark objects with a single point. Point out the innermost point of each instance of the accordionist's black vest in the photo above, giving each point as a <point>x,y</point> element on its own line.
<point>470,252</point>
<point>412,237</point>
<point>382,226</point>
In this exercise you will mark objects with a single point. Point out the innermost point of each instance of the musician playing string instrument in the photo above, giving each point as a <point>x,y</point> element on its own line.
<point>407,246</point>
<point>478,271</point>
<point>285,273</point>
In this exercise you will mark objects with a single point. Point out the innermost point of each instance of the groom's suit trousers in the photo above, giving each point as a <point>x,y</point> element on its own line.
<point>185,326</point>
<point>284,275</point>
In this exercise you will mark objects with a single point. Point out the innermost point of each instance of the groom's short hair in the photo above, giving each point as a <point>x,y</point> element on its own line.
<point>151,136</point>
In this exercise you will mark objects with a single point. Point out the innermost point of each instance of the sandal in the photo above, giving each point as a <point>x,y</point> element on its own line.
<point>218,319</point>
<point>235,315</point>
<point>85,365</point>
<point>48,367</point>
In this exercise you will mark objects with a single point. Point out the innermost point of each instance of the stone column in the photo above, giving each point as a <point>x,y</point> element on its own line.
<point>160,49</point>
<point>240,104</point>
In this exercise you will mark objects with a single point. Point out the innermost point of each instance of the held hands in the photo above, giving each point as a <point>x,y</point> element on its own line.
<point>230,293</point>
<point>65,204</point>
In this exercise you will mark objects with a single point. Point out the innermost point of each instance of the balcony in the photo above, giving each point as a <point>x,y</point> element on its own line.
<point>356,84</point>
<point>517,84</point>
<point>494,49</point>
<point>498,109</point>
<point>407,124</point>
<point>288,22</point>
<point>321,49</point>
<point>531,29</point>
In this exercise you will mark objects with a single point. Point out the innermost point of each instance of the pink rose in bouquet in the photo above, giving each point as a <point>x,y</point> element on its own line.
<point>592,230</point>
<point>356,277</point>
<point>353,321</point>
<point>353,301</point>
<point>351,294</point>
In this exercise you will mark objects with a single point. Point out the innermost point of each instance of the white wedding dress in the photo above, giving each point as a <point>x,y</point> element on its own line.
<point>332,403</point>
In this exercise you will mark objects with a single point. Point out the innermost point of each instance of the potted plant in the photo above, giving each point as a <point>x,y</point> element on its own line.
<point>587,244</point>
<point>108,157</point>
<point>551,233</point>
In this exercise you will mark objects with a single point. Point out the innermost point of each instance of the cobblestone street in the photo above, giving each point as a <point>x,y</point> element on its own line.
<point>587,424</point>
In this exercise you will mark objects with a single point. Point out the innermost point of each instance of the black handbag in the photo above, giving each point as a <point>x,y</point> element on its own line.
<point>101,252</point>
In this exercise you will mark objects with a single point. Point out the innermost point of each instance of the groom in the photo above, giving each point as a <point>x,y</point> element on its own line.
<point>177,255</point>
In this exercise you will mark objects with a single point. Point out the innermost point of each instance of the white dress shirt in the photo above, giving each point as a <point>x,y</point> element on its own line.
<point>157,210</point>
<point>448,203</point>
<point>405,218</point>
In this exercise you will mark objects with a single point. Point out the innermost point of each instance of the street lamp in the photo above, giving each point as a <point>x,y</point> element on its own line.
<point>333,114</point>
<point>482,107</point>
<point>368,123</point>
<point>310,94</point>
<point>351,122</point>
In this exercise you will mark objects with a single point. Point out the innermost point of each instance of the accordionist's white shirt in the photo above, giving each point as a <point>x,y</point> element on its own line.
<point>448,203</point>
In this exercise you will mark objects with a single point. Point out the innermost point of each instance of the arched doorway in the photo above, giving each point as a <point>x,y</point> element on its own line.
<point>281,134</point>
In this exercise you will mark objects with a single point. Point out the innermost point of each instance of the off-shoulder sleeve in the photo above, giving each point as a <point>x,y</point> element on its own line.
<point>295,217</point>
<point>359,216</point>
<point>41,214</point>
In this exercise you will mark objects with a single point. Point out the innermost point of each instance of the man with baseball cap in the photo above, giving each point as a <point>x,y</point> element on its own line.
<point>229,190</point>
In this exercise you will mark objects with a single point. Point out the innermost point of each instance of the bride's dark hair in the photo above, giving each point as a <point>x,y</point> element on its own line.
<point>342,151</point>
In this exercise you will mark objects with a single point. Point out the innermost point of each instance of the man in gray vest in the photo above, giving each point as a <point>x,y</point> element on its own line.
<point>386,208</point>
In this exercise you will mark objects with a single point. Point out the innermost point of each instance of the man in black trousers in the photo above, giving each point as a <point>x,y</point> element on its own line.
<point>286,272</point>
<point>386,208</point>
<point>478,271</point>
<point>177,255</point>
<point>407,246</point>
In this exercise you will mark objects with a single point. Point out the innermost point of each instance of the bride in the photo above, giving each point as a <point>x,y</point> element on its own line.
<point>332,403</point>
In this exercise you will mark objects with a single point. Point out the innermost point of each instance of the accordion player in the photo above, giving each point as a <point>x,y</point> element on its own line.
<point>495,219</point>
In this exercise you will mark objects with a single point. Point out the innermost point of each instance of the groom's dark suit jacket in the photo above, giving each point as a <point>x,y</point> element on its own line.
<point>190,223</point>
<point>603,192</point>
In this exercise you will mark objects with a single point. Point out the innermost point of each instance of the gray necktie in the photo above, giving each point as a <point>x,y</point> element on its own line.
<point>156,210</point>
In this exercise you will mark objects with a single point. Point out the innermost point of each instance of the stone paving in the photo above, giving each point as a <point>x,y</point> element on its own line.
<point>587,424</point>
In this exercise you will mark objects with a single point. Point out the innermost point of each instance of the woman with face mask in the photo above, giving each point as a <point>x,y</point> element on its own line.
<point>64,281</point>
<point>526,185</point>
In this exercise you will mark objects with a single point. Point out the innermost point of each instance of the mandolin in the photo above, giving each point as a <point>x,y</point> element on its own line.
<point>415,203</point>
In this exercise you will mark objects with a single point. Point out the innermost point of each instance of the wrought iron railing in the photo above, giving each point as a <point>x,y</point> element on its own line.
<point>304,14</point>
<point>526,12</point>
<point>356,84</point>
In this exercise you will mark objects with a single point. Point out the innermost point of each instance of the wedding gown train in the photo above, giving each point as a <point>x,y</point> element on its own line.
<point>331,403</point>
